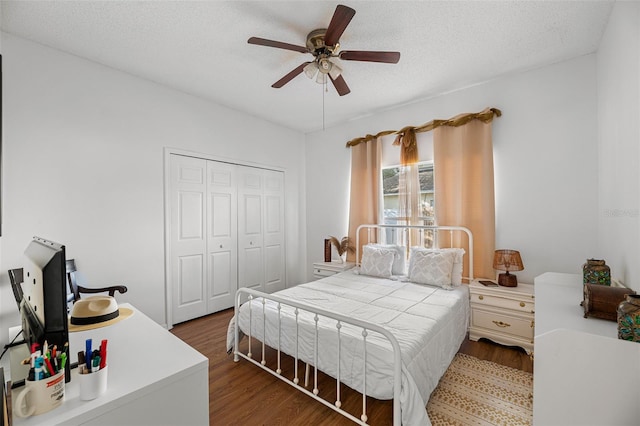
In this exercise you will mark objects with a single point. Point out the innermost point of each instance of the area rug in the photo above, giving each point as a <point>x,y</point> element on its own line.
<point>477,392</point>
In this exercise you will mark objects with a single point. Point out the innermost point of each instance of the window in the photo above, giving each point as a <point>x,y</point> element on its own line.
<point>390,197</point>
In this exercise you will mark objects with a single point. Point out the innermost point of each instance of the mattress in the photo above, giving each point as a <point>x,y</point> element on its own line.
<point>428,322</point>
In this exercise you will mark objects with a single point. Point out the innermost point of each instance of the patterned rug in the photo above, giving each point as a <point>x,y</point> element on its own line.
<point>477,392</point>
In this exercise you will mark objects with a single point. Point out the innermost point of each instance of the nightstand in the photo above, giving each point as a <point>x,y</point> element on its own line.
<point>325,269</point>
<point>504,315</point>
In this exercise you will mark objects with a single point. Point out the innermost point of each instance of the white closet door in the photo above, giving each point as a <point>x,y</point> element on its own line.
<point>250,228</point>
<point>222,231</point>
<point>226,231</point>
<point>274,254</point>
<point>188,237</point>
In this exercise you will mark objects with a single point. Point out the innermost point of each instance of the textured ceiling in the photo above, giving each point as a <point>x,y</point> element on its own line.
<point>201,47</point>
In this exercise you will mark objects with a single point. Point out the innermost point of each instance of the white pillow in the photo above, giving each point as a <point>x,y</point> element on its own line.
<point>456,272</point>
<point>398,267</point>
<point>432,268</point>
<point>377,262</point>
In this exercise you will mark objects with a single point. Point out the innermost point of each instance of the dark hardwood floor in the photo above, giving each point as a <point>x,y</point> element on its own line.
<point>242,394</point>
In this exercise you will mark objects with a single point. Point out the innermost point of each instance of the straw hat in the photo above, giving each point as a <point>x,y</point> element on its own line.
<point>95,312</point>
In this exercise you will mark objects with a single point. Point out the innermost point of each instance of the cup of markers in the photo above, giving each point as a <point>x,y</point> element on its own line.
<point>44,386</point>
<point>92,369</point>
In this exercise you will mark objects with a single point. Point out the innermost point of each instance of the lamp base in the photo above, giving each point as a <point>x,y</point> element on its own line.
<point>507,280</point>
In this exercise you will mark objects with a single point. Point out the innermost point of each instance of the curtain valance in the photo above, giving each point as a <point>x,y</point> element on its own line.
<point>485,116</point>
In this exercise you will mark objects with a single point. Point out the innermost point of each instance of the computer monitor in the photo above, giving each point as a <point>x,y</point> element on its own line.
<point>44,303</point>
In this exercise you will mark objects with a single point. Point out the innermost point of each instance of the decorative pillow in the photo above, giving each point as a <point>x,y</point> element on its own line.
<point>398,267</point>
<point>377,262</point>
<point>456,272</point>
<point>432,268</point>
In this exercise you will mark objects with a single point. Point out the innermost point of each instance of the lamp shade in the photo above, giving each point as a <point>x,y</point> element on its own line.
<point>507,260</point>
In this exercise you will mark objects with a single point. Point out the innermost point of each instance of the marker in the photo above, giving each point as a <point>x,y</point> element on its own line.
<point>96,364</point>
<point>63,360</point>
<point>38,369</point>
<point>88,353</point>
<point>50,369</point>
<point>103,354</point>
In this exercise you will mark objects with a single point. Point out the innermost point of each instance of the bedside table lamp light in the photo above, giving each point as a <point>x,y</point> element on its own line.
<point>507,260</point>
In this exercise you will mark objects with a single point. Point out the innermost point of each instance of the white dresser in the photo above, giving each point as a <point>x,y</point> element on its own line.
<point>583,374</point>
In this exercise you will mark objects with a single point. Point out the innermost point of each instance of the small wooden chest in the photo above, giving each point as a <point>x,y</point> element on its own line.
<point>601,301</point>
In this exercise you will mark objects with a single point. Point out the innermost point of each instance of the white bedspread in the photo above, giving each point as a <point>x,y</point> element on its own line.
<point>429,323</point>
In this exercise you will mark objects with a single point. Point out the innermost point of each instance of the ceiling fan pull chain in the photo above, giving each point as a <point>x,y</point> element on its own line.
<point>323,91</point>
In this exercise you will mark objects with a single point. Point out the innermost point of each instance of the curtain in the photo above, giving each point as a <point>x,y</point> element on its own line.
<point>464,188</point>
<point>408,186</point>
<point>365,188</point>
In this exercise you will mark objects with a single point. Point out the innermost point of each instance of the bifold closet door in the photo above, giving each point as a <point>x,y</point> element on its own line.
<point>261,253</point>
<point>274,252</point>
<point>188,188</point>
<point>222,243</point>
<point>204,251</point>
<point>226,231</point>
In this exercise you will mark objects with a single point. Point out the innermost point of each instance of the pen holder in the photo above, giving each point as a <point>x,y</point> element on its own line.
<point>40,396</point>
<point>92,385</point>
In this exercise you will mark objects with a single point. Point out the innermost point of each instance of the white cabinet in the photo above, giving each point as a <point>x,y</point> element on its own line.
<point>325,269</point>
<point>503,314</point>
<point>167,386</point>
<point>226,226</point>
<point>583,374</point>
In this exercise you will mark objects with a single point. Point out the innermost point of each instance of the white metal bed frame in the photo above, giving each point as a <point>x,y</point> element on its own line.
<point>250,294</point>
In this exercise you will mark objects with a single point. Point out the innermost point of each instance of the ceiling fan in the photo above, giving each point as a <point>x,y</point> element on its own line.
<point>324,44</point>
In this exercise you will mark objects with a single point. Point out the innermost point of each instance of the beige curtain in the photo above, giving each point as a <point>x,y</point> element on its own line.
<point>463,180</point>
<point>408,186</point>
<point>365,188</point>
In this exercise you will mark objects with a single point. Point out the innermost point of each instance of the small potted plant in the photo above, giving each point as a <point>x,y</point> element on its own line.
<point>342,246</point>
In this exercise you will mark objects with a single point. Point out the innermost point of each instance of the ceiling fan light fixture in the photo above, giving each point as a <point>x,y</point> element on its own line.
<point>322,78</point>
<point>335,71</point>
<point>324,65</point>
<point>310,70</point>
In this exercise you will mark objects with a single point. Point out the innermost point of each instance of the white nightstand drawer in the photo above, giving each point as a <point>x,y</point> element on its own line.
<point>523,304</point>
<point>508,324</point>
<point>326,269</point>
<point>323,272</point>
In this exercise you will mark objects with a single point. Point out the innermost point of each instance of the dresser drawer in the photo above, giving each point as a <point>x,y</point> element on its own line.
<point>508,324</point>
<point>524,305</point>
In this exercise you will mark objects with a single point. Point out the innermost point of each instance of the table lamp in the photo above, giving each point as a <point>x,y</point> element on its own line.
<point>507,260</point>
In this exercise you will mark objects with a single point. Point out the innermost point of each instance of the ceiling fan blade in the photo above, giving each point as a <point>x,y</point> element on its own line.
<point>341,18</point>
<point>278,44</point>
<point>287,78</point>
<point>340,85</point>
<point>370,56</point>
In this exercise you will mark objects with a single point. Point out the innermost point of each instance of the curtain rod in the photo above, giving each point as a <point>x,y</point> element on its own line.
<point>485,116</point>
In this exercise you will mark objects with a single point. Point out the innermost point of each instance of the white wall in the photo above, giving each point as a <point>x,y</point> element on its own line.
<point>619,142</point>
<point>545,153</point>
<point>83,165</point>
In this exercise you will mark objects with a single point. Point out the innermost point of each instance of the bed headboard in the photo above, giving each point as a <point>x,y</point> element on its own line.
<point>430,236</point>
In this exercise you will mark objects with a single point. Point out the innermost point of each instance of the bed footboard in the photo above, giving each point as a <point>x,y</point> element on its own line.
<point>253,296</point>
